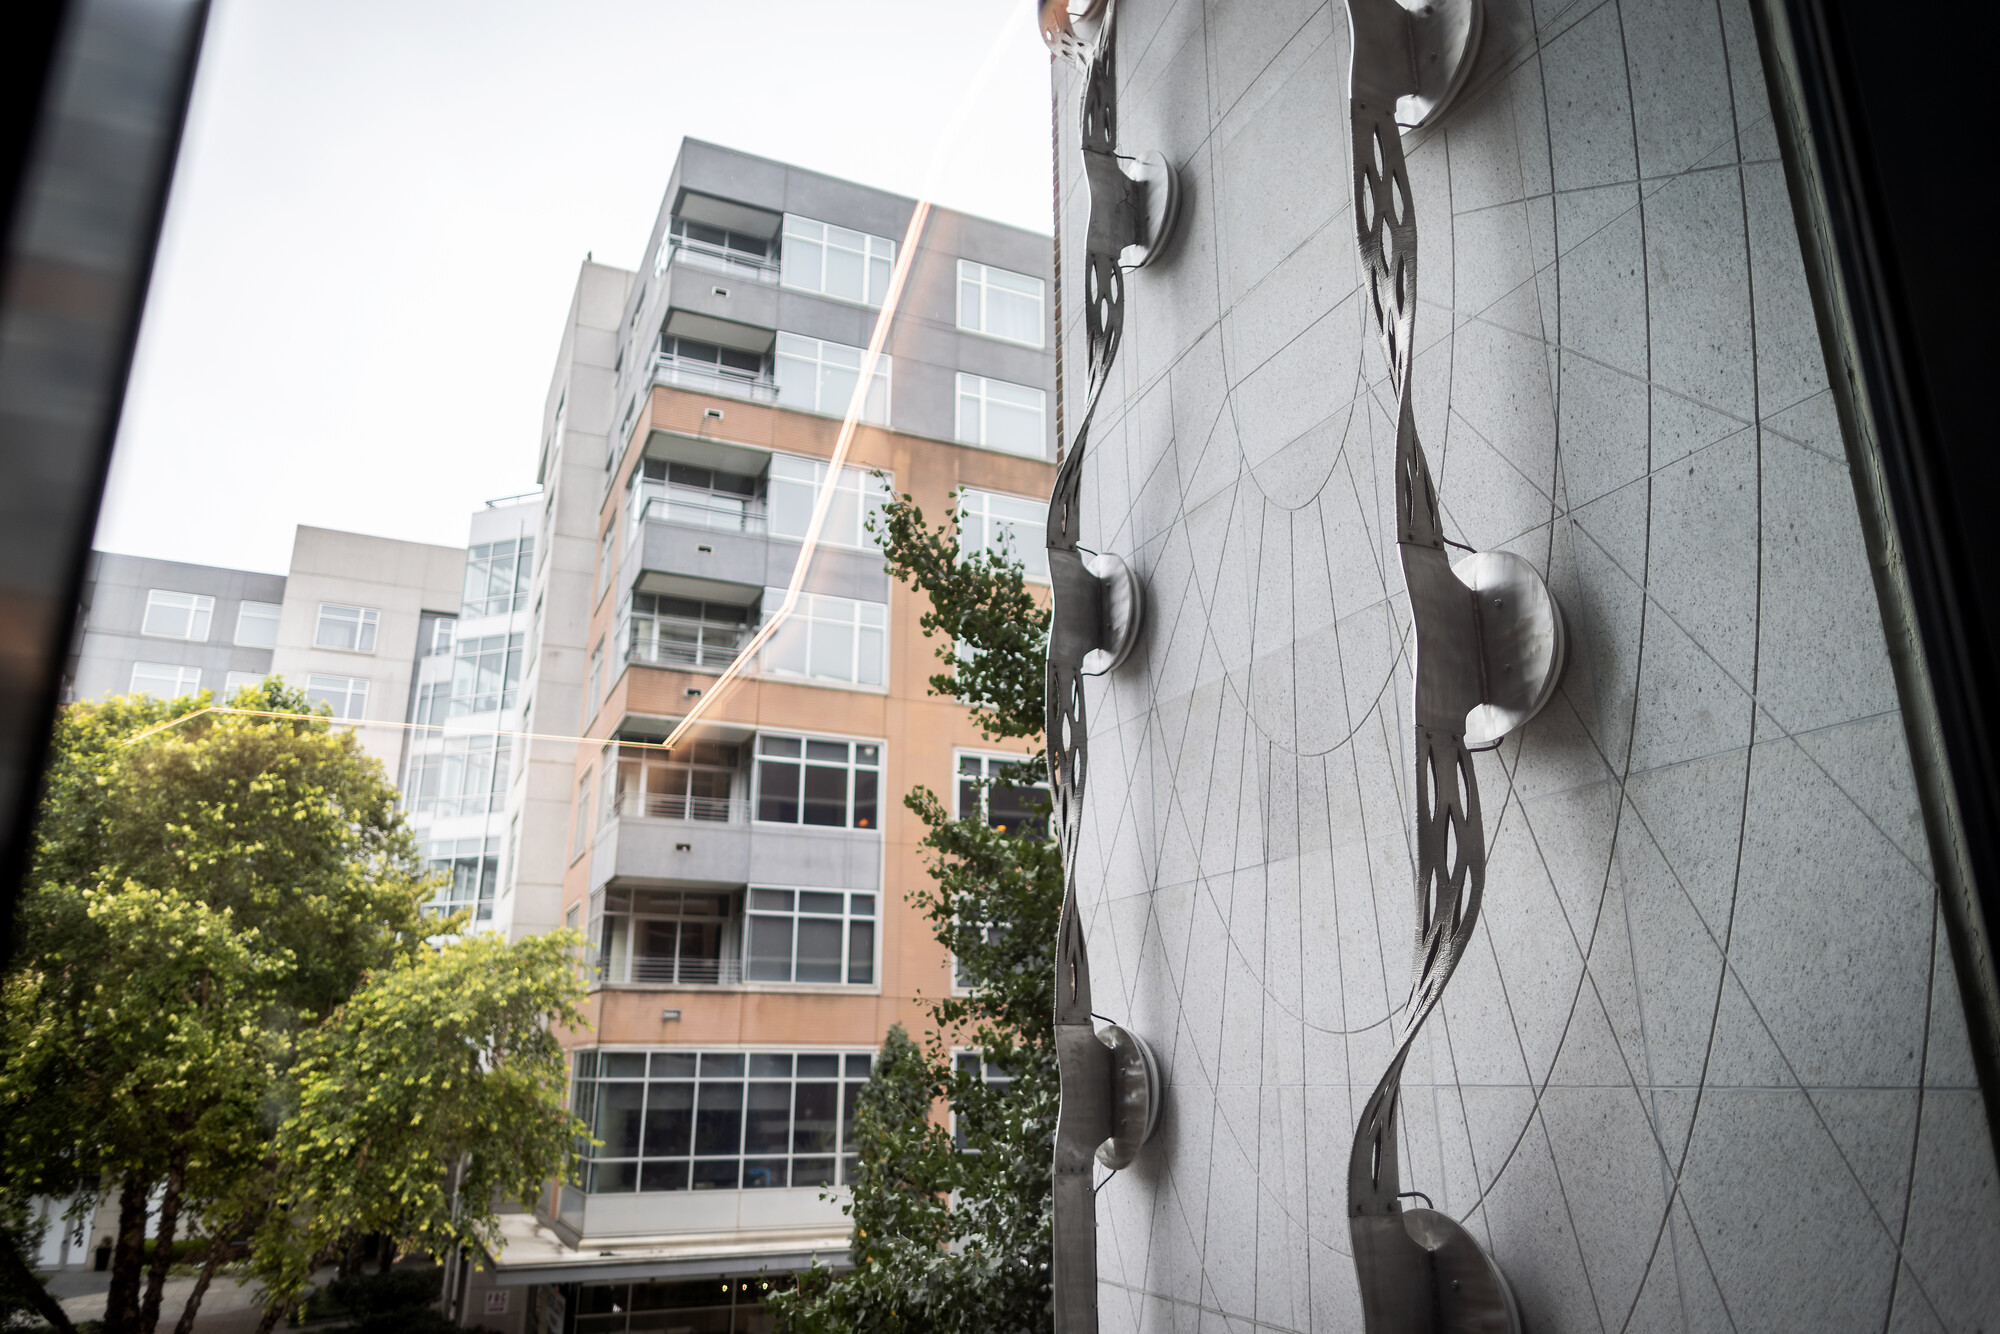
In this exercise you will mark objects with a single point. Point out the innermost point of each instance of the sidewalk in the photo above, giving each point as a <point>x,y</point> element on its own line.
<point>228,1307</point>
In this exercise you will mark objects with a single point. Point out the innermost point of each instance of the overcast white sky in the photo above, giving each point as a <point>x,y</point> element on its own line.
<point>381,204</point>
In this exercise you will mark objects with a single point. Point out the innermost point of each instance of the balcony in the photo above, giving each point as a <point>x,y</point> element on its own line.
<point>654,850</point>
<point>676,806</point>
<point>717,513</point>
<point>723,259</point>
<point>653,970</point>
<point>707,377</point>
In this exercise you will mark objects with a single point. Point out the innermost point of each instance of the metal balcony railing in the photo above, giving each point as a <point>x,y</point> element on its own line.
<point>693,512</point>
<point>664,644</point>
<point>705,377</point>
<point>666,970</point>
<point>720,259</point>
<point>676,806</point>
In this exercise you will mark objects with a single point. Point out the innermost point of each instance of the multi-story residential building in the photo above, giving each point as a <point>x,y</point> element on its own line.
<point>743,894</point>
<point>168,628</point>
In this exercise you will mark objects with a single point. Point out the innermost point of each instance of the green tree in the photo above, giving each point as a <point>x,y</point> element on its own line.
<point>950,1240</point>
<point>197,898</point>
<point>437,1089</point>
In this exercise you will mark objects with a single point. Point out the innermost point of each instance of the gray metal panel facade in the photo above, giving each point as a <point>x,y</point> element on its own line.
<point>113,642</point>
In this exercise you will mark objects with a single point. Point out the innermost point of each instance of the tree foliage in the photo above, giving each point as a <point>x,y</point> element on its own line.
<point>220,935</point>
<point>951,1240</point>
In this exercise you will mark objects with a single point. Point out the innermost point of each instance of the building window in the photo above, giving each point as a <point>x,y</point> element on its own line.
<point>999,303</point>
<point>998,415</point>
<point>471,863</point>
<point>1009,527</point>
<point>666,937</point>
<point>691,782</point>
<point>1005,791</point>
<point>433,703</point>
<point>696,497</point>
<point>716,249</point>
<point>485,673</point>
<point>593,691</point>
<point>858,496</point>
<point>663,631</point>
<point>987,1073</point>
<point>810,935</point>
<point>458,775</point>
<point>237,681</point>
<point>442,631</point>
<point>497,576</point>
<point>257,624</point>
<point>580,825</point>
<point>806,780</point>
<point>164,680</point>
<point>350,628</point>
<point>171,615</point>
<point>827,638</point>
<point>347,696</point>
<point>706,362</point>
<point>834,261</point>
<point>818,376</point>
<point>604,558</point>
<point>682,1120</point>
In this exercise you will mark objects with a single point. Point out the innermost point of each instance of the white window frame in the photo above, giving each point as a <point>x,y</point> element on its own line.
<point>791,489</point>
<point>324,682</point>
<point>199,609</point>
<point>235,681</point>
<point>796,648</point>
<point>974,399</point>
<point>187,680</point>
<point>365,622</point>
<point>984,507</point>
<point>975,281</point>
<point>817,358</point>
<point>244,613</point>
<point>858,908</point>
<point>873,251</point>
<point>854,764</point>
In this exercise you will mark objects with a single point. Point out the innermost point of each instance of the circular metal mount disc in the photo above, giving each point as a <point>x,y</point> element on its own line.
<point>1444,42</point>
<point>1521,637</point>
<point>1124,609</point>
<point>1163,207</point>
<point>1469,1293</point>
<point>1135,1096</point>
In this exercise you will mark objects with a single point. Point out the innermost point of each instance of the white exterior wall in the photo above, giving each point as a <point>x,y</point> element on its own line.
<point>572,478</point>
<point>1704,1065</point>
<point>399,579</point>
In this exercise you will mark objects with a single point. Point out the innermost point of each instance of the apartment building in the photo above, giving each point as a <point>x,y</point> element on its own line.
<point>744,893</point>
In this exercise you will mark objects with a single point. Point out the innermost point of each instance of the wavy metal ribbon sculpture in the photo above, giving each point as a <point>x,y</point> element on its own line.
<point>1489,649</point>
<point>1110,1100</point>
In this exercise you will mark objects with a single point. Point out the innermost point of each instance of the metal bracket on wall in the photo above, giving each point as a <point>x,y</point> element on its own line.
<point>1110,1085</point>
<point>1489,649</point>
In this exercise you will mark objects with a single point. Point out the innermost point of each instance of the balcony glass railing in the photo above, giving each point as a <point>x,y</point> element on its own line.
<point>706,377</point>
<point>664,643</point>
<point>721,259</point>
<point>679,806</point>
<point>694,511</point>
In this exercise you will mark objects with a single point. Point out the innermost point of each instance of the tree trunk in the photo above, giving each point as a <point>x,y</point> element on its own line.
<point>270,1320</point>
<point>218,1250</point>
<point>388,1253</point>
<point>163,1244</point>
<point>29,1284</point>
<point>350,1256</point>
<point>128,1258</point>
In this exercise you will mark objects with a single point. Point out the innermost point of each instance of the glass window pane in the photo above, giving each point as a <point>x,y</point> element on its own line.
<point>814,901</point>
<point>816,1120</point>
<point>768,1121</point>
<point>861,953</point>
<point>845,274</point>
<point>864,798</point>
<point>859,1066</point>
<point>819,1067</point>
<point>771,900</point>
<point>664,1176</point>
<point>618,1119</point>
<point>770,949</point>
<point>673,1065</point>
<point>669,1120</point>
<point>716,1175</point>
<point>623,1064</point>
<point>825,796</point>
<point>778,792</point>
<point>718,1119</point>
<point>832,752</point>
<point>722,1065</point>
<point>611,1178</point>
<point>819,950</point>
<point>812,1172</point>
<point>779,745</point>
<point>770,1065</point>
<point>765,1173</point>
